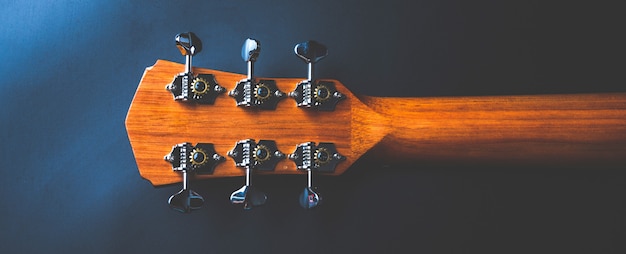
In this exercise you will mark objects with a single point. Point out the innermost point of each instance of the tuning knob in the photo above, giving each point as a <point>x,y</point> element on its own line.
<point>249,52</point>
<point>186,199</point>
<point>310,198</point>
<point>248,196</point>
<point>189,44</point>
<point>311,52</point>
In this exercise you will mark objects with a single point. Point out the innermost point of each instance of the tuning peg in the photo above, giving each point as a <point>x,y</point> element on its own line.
<point>322,158</point>
<point>247,195</point>
<point>189,44</point>
<point>249,52</point>
<point>321,95</point>
<point>187,86</point>
<point>186,199</point>
<point>261,94</point>
<point>309,198</point>
<point>186,158</point>
<point>311,52</point>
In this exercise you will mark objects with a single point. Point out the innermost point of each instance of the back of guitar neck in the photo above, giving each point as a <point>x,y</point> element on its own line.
<point>559,130</point>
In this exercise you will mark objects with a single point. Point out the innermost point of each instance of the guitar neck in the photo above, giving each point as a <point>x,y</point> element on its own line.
<point>537,129</point>
<point>578,129</point>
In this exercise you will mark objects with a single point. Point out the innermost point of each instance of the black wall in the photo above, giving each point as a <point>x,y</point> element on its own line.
<point>69,70</point>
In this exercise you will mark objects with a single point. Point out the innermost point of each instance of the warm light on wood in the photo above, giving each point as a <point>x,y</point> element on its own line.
<point>513,130</point>
<point>156,122</point>
<point>550,129</point>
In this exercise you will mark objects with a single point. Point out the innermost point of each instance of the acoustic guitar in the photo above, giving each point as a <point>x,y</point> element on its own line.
<point>187,123</point>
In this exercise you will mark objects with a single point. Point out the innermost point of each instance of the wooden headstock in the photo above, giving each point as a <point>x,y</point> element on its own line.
<point>220,124</point>
<point>155,122</point>
<point>574,129</point>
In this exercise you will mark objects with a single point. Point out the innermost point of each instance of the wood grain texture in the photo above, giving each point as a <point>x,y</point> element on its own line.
<point>155,122</point>
<point>537,129</point>
<point>583,129</point>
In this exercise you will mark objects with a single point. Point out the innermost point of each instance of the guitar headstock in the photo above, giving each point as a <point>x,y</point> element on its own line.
<point>212,135</point>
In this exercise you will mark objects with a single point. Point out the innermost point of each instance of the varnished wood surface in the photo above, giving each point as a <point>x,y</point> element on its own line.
<point>543,129</point>
<point>155,122</point>
<point>513,130</point>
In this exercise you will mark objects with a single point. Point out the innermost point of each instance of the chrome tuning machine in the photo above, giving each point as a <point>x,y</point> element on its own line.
<point>320,95</point>
<point>187,86</point>
<point>263,94</point>
<point>250,155</point>
<point>310,157</point>
<point>185,158</point>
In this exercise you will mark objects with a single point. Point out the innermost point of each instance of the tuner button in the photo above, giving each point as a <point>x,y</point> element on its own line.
<point>311,51</point>
<point>309,198</point>
<point>248,196</point>
<point>185,201</point>
<point>188,43</point>
<point>250,50</point>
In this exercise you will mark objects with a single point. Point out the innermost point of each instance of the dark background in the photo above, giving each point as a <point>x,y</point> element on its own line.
<point>69,70</point>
